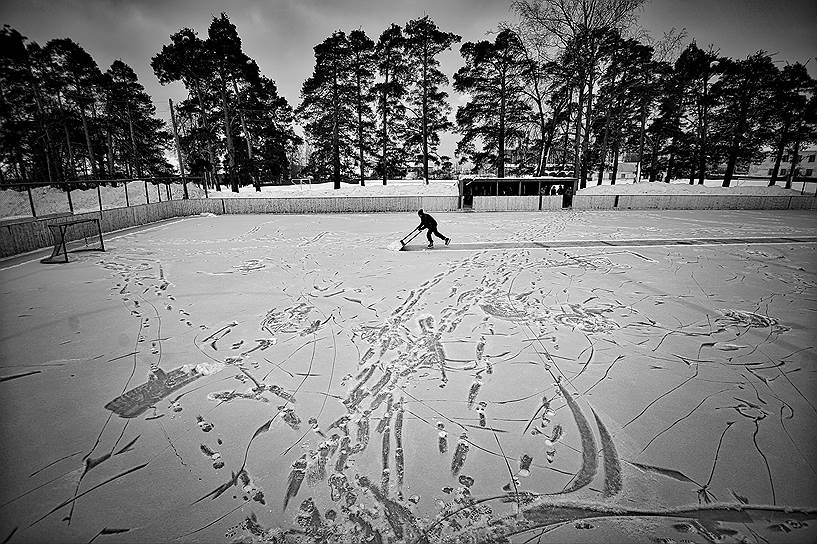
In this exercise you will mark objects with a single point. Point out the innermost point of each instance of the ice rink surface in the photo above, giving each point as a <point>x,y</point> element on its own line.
<point>252,378</point>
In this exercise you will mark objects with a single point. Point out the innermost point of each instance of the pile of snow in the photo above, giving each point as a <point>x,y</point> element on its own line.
<point>681,188</point>
<point>410,187</point>
<point>48,200</point>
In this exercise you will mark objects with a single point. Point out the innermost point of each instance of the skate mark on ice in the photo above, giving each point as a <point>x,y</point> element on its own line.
<point>52,463</point>
<point>612,467</point>
<point>108,531</point>
<point>97,486</point>
<point>674,423</point>
<point>589,458</point>
<point>703,491</point>
<point>127,447</point>
<point>694,375</point>
<point>22,375</point>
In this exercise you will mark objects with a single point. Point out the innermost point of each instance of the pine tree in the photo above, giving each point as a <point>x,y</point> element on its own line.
<point>77,78</point>
<point>142,138</point>
<point>268,117</point>
<point>790,94</point>
<point>327,110</point>
<point>743,119</point>
<point>23,115</point>
<point>223,47</point>
<point>361,61</point>
<point>496,113</point>
<point>426,102</point>
<point>390,91</point>
<point>186,59</point>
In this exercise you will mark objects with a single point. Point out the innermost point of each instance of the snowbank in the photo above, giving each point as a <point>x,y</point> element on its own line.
<point>681,188</point>
<point>414,187</point>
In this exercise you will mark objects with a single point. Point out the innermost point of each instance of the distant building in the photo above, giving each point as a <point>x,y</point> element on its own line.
<point>806,166</point>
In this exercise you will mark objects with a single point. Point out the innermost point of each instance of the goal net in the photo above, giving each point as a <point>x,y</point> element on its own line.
<point>76,235</point>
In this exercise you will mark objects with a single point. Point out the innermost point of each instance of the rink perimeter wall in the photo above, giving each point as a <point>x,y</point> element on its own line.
<point>20,236</point>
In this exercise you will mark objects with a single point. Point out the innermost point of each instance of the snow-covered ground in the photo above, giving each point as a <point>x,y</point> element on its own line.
<point>238,377</point>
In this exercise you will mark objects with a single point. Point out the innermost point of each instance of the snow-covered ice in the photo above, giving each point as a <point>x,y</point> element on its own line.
<point>239,378</point>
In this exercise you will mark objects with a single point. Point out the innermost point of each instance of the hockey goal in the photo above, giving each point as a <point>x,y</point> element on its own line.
<point>74,235</point>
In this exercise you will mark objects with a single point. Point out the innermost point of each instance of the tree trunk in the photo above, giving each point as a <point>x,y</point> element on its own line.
<point>109,141</point>
<point>794,161</point>
<point>425,114</point>
<point>335,128</point>
<point>71,164</point>
<point>567,125</point>
<point>22,166</point>
<point>781,146</point>
<point>203,121</point>
<point>670,165</point>
<point>543,160</point>
<point>641,143</point>
<point>736,143</point>
<point>88,140</point>
<point>384,164</point>
<point>110,154</point>
<point>40,119</point>
<point>360,129</point>
<point>500,159</point>
<point>134,150</point>
<point>615,163</point>
<point>586,139</point>
<point>603,154</point>
<point>654,157</point>
<point>577,145</point>
<point>702,135</point>
<point>248,138</point>
<point>229,137</point>
<point>540,113</point>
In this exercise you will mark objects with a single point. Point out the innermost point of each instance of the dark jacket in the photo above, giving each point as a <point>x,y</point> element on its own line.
<point>427,222</point>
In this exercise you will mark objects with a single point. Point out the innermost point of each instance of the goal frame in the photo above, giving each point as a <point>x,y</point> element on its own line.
<point>60,232</point>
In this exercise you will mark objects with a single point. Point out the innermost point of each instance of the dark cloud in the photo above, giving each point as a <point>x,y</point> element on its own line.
<point>280,34</point>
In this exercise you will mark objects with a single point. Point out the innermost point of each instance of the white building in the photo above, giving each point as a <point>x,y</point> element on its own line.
<point>806,166</point>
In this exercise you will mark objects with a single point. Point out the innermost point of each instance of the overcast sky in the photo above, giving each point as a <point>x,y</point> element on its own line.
<point>280,34</point>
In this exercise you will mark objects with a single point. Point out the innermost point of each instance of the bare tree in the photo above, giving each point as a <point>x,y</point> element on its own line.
<point>575,24</point>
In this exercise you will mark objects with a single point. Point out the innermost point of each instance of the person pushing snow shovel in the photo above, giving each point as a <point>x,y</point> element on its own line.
<point>428,222</point>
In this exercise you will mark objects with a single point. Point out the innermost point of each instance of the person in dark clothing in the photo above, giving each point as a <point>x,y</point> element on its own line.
<point>428,222</point>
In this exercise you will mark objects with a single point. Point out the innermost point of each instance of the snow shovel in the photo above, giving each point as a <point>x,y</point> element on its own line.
<point>405,241</point>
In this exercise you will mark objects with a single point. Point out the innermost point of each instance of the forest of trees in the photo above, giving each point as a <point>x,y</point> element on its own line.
<point>571,83</point>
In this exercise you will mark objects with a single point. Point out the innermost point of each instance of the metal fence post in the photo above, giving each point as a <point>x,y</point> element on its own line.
<point>31,201</point>
<point>147,196</point>
<point>127,202</point>
<point>70,203</point>
<point>99,196</point>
